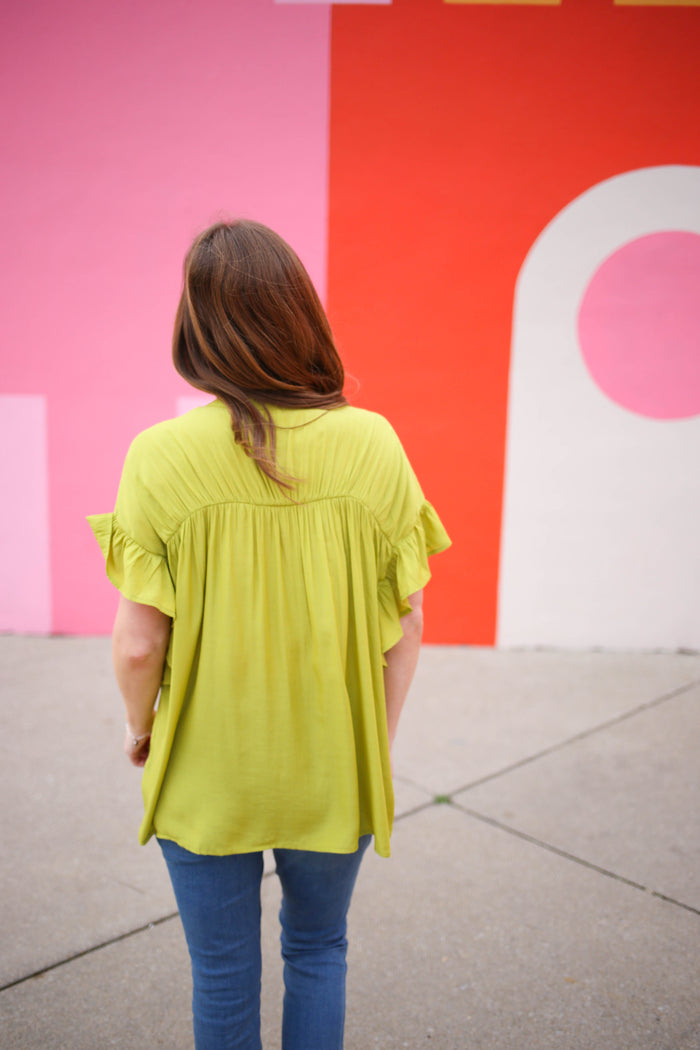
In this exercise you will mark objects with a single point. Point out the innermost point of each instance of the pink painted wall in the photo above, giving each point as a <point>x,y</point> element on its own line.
<point>132,126</point>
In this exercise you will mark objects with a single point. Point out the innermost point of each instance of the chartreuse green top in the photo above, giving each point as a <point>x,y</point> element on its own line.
<point>271,726</point>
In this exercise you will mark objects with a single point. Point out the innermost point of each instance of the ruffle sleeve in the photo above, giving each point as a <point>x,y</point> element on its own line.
<point>139,574</point>
<point>408,571</point>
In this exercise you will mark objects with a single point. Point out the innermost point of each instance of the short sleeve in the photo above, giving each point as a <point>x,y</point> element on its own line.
<point>412,528</point>
<point>135,555</point>
<point>409,571</point>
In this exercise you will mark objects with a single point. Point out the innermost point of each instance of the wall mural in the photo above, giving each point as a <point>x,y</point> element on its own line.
<point>498,201</point>
<point>601,490</point>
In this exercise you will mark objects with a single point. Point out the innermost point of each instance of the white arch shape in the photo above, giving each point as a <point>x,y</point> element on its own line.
<point>599,541</point>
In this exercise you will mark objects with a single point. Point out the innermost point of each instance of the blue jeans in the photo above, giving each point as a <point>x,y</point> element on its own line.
<point>219,903</point>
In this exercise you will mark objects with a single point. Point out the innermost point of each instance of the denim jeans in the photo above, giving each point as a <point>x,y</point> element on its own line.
<point>219,903</point>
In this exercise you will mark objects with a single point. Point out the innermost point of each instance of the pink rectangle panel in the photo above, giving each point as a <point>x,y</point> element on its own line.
<point>25,592</point>
<point>190,401</point>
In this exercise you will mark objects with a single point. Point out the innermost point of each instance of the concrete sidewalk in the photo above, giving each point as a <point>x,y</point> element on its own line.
<point>544,890</point>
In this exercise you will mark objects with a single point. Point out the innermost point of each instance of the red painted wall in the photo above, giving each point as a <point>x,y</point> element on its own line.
<point>457,133</point>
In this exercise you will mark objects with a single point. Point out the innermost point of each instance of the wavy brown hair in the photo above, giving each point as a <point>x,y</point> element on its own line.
<point>251,330</point>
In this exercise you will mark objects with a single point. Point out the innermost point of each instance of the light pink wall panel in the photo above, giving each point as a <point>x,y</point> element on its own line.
<point>25,587</point>
<point>190,401</point>
<point>132,126</point>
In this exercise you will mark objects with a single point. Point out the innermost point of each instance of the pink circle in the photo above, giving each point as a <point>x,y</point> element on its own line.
<point>639,325</point>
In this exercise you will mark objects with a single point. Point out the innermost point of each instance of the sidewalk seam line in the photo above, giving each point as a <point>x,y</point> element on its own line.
<point>98,947</point>
<point>88,951</point>
<point>572,857</point>
<point>416,809</point>
<point>583,735</point>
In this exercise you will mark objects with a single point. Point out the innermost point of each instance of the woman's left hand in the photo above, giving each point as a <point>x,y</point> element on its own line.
<point>137,753</point>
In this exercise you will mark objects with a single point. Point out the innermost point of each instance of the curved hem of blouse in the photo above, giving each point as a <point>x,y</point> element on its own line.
<point>383,850</point>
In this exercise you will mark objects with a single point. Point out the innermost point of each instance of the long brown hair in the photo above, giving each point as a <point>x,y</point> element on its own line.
<point>251,330</point>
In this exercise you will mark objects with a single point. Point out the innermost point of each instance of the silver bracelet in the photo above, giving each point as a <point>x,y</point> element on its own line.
<point>136,740</point>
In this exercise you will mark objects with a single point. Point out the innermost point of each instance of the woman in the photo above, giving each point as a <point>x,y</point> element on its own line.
<point>270,550</point>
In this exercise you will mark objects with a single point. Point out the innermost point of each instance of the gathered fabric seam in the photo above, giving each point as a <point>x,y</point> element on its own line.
<point>285,506</point>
